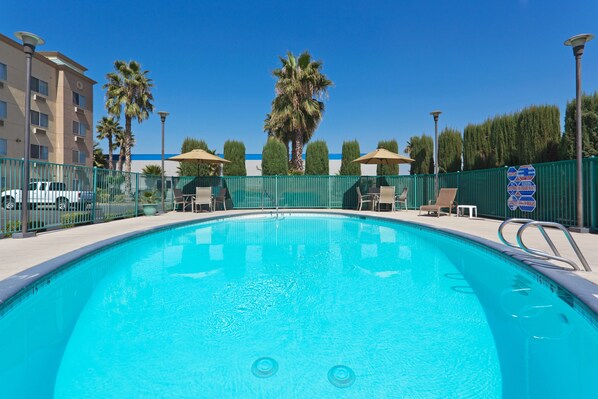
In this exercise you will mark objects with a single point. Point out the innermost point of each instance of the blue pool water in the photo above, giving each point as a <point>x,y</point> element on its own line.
<point>300,307</point>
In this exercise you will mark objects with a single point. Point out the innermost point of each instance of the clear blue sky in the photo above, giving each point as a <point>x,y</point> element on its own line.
<point>392,62</point>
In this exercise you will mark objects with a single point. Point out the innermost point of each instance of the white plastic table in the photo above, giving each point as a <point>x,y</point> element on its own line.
<point>473,210</point>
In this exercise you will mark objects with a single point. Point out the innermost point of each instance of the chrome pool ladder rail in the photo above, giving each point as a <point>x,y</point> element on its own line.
<point>536,252</point>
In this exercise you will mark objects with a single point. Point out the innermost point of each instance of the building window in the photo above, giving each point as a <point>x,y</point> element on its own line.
<point>78,99</point>
<point>3,110</point>
<point>80,129</point>
<point>39,152</point>
<point>39,86</point>
<point>79,157</point>
<point>3,147</point>
<point>39,118</point>
<point>3,71</point>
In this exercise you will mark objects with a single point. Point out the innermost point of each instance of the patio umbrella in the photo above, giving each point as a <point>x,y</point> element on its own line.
<point>198,156</point>
<point>382,156</point>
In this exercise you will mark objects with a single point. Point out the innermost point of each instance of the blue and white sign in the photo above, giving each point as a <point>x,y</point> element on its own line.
<point>513,203</point>
<point>526,172</point>
<point>527,203</point>
<point>526,187</point>
<point>512,173</point>
<point>513,187</point>
<point>521,188</point>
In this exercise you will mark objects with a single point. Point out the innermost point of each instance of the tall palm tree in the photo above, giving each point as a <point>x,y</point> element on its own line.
<point>128,91</point>
<point>109,128</point>
<point>298,108</point>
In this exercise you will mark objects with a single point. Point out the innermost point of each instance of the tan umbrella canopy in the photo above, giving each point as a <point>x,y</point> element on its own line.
<point>198,156</point>
<point>382,156</point>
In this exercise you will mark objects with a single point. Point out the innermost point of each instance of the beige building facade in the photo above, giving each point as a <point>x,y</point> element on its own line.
<point>61,107</point>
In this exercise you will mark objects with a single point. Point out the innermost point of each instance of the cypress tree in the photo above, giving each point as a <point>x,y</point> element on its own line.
<point>450,150</point>
<point>388,170</point>
<point>503,130</point>
<point>350,152</point>
<point>538,134</point>
<point>274,158</point>
<point>421,149</point>
<point>234,151</point>
<point>476,146</point>
<point>316,158</point>
<point>192,168</point>
<point>589,127</point>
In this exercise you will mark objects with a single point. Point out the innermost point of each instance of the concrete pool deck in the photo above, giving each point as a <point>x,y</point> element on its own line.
<point>20,255</point>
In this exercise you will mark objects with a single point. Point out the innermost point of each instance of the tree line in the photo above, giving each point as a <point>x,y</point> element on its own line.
<point>531,135</point>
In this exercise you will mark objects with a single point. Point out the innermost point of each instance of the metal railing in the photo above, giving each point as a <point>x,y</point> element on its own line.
<point>117,194</point>
<point>526,223</point>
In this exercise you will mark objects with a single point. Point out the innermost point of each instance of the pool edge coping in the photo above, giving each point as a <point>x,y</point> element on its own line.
<point>582,290</point>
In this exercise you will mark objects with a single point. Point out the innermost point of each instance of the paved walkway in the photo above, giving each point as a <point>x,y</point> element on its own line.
<point>18,255</point>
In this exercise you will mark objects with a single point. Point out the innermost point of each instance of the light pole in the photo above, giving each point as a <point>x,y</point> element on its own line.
<point>435,115</point>
<point>163,116</point>
<point>578,43</point>
<point>29,42</point>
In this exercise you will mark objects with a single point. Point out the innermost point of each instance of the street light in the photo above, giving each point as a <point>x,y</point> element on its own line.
<point>435,115</point>
<point>578,42</point>
<point>163,116</point>
<point>29,42</point>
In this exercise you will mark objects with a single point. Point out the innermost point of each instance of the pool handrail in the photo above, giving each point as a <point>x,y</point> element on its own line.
<point>536,252</point>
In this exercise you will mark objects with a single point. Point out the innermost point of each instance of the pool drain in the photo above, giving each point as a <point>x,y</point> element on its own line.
<point>341,376</point>
<point>264,367</point>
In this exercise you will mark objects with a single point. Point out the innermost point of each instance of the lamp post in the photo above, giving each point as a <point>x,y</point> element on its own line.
<point>163,116</point>
<point>435,115</point>
<point>29,42</point>
<point>578,43</point>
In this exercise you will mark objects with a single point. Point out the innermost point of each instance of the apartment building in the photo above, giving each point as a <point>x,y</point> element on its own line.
<point>61,106</point>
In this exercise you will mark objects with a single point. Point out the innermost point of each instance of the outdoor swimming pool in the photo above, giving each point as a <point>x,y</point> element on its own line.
<point>305,306</point>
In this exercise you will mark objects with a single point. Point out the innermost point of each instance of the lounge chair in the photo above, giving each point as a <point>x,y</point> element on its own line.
<point>363,199</point>
<point>387,197</point>
<point>203,196</point>
<point>179,199</point>
<point>446,199</point>
<point>220,198</point>
<point>402,199</point>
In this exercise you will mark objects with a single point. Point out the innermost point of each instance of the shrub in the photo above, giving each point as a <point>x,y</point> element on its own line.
<point>14,226</point>
<point>74,218</point>
<point>234,151</point>
<point>316,158</point>
<point>274,158</point>
<point>387,170</point>
<point>350,152</point>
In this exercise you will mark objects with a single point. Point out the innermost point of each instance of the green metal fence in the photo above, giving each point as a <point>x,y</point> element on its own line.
<point>68,195</point>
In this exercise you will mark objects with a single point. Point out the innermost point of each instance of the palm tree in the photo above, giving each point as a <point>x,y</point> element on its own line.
<point>297,108</point>
<point>99,160</point>
<point>120,143</point>
<point>129,89</point>
<point>109,128</point>
<point>152,170</point>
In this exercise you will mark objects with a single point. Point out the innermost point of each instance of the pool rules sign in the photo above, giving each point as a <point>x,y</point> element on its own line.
<point>521,188</point>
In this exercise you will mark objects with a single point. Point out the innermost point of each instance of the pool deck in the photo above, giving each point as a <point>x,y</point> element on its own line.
<point>19,255</point>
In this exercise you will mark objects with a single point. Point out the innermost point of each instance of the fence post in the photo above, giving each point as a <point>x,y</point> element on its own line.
<point>276,191</point>
<point>94,194</point>
<point>329,201</point>
<point>136,196</point>
<point>415,192</point>
<point>592,203</point>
